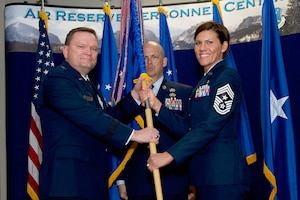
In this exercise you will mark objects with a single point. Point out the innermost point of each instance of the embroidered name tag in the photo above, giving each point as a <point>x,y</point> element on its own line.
<point>202,91</point>
<point>173,103</point>
<point>88,98</point>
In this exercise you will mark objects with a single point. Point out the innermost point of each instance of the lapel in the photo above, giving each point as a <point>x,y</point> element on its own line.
<point>87,84</point>
<point>97,92</point>
<point>163,89</point>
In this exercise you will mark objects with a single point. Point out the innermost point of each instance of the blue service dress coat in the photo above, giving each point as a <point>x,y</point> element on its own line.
<point>76,135</point>
<point>138,179</point>
<point>211,144</point>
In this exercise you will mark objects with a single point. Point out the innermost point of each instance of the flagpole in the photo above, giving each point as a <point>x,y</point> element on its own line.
<point>42,5</point>
<point>152,145</point>
<point>44,62</point>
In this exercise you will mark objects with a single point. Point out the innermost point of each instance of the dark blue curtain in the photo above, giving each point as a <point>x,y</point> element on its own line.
<point>19,79</point>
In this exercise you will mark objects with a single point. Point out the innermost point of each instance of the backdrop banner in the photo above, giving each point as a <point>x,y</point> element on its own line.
<point>242,18</point>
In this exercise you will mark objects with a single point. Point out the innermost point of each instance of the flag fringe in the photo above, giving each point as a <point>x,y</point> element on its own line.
<point>251,159</point>
<point>162,10</point>
<point>44,17</point>
<point>217,3</point>
<point>32,193</point>
<point>272,179</point>
<point>121,166</point>
<point>106,9</point>
<point>128,155</point>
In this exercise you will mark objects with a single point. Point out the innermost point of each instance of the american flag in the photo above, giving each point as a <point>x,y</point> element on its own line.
<point>44,62</point>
